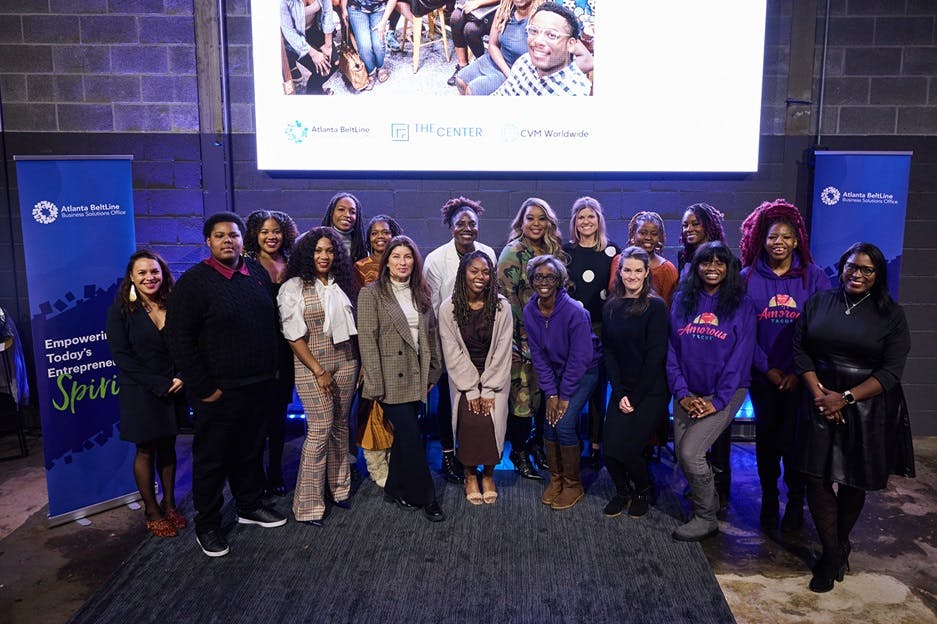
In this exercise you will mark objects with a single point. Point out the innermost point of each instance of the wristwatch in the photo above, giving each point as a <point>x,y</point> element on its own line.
<point>848,398</point>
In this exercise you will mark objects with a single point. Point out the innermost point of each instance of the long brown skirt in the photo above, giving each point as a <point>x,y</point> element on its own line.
<point>476,437</point>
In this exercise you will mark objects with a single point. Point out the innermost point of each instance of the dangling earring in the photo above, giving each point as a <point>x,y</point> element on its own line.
<point>133,294</point>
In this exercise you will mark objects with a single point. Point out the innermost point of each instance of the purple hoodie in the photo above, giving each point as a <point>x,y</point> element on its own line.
<point>562,346</point>
<point>709,355</point>
<point>779,301</point>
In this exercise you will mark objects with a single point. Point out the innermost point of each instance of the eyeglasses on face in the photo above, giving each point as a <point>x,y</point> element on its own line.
<point>551,35</point>
<point>546,278</point>
<point>866,271</point>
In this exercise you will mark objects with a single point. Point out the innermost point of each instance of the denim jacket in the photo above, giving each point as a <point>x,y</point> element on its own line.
<point>293,23</point>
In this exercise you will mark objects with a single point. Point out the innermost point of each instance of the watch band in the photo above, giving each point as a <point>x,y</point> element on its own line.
<point>849,398</point>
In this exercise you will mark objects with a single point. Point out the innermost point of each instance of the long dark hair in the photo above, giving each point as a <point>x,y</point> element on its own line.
<point>418,288</point>
<point>159,298</point>
<point>460,303</point>
<point>302,263</point>
<point>879,290</point>
<point>711,220</point>
<point>358,243</point>
<point>636,306</point>
<point>731,291</point>
<point>255,222</point>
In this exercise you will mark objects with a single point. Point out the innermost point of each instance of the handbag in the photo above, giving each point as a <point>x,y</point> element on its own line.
<point>425,7</point>
<point>376,434</point>
<point>350,64</point>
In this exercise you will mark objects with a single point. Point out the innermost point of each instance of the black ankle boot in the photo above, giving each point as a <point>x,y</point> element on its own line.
<point>640,503</point>
<point>452,469</point>
<point>824,572</point>
<point>535,449</point>
<point>843,563</point>
<point>769,510</point>
<point>522,465</point>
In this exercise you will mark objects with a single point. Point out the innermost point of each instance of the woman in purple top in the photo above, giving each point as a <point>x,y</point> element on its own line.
<point>780,276</point>
<point>712,337</point>
<point>566,356</point>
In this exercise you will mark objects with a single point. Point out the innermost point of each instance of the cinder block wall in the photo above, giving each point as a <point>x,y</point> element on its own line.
<point>119,76</point>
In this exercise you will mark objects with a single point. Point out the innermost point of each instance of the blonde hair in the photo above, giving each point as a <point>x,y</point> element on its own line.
<point>552,239</point>
<point>601,239</point>
<point>500,19</point>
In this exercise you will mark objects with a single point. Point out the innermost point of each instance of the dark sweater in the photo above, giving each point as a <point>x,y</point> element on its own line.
<point>635,349</point>
<point>222,333</point>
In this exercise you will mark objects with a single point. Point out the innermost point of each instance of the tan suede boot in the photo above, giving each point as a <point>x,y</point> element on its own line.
<point>572,484</point>
<point>556,476</point>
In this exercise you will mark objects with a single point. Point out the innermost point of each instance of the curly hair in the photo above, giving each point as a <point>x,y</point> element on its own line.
<point>418,288</point>
<point>460,302</point>
<point>456,205</point>
<point>755,231</point>
<point>711,220</point>
<point>302,262</point>
<point>879,289</point>
<point>159,298</point>
<point>601,237</point>
<point>731,290</point>
<point>358,244</point>
<point>255,223</point>
<point>392,225</point>
<point>638,305</point>
<point>647,216</point>
<point>552,239</point>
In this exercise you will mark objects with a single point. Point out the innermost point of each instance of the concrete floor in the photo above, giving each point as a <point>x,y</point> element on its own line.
<point>46,574</point>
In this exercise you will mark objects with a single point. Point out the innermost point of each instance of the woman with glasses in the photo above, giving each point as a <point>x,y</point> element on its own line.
<point>566,356</point>
<point>850,347</point>
<point>507,42</point>
<point>712,338</point>
<point>780,276</point>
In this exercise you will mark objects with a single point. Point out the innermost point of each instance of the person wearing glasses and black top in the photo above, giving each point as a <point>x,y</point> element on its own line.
<point>850,347</point>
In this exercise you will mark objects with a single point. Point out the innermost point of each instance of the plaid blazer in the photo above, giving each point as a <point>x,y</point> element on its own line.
<point>395,369</point>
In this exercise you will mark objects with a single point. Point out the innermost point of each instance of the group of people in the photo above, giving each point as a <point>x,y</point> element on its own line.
<point>522,344</point>
<point>520,47</point>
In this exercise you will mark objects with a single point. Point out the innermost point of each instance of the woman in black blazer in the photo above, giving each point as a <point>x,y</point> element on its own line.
<point>150,398</point>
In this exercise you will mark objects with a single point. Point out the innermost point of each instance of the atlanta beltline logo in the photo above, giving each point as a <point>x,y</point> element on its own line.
<point>832,196</point>
<point>45,212</point>
<point>704,327</point>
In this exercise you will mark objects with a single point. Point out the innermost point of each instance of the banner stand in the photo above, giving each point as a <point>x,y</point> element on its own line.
<point>76,214</point>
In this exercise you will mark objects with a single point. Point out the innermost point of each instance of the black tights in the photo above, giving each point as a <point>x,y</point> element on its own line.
<point>834,512</point>
<point>161,454</point>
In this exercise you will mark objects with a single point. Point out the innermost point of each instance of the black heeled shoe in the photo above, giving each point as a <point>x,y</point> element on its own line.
<point>523,467</point>
<point>843,564</point>
<point>535,449</point>
<point>824,573</point>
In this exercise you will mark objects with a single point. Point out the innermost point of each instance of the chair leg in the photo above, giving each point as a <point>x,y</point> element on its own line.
<point>445,38</point>
<point>417,41</point>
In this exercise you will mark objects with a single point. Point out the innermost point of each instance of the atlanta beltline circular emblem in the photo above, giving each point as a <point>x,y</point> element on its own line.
<point>829,195</point>
<point>45,212</point>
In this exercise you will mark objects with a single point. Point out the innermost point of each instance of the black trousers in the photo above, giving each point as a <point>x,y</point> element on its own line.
<point>775,421</point>
<point>228,446</point>
<point>316,39</point>
<point>444,413</point>
<point>468,31</point>
<point>408,475</point>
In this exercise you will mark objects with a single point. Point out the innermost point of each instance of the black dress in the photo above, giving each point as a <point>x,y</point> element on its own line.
<point>476,432</point>
<point>145,372</point>
<point>635,349</point>
<point>844,350</point>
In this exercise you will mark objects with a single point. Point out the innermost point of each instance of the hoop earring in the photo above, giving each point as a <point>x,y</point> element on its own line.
<point>132,296</point>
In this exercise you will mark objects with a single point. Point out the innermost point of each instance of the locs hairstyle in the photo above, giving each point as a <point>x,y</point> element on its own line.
<point>460,306</point>
<point>711,220</point>
<point>646,216</point>
<point>731,291</point>
<point>302,264</point>
<point>358,245</point>
<point>392,225</point>
<point>755,231</point>
<point>159,298</point>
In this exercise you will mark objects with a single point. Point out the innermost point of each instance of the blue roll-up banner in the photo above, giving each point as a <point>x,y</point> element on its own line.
<point>860,197</point>
<point>78,232</point>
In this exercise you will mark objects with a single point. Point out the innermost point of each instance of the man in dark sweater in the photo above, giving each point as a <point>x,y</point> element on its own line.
<point>222,332</point>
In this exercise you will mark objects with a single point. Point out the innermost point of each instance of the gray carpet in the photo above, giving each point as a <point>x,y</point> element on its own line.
<point>514,561</point>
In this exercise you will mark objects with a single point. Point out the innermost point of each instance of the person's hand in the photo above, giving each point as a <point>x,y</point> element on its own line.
<point>326,383</point>
<point>789,383</point>
<point>320,61</point>
<point>625,405</point>
<point>829,403</point>
<point>214,396</point>
<point>176,386</point>
<point>559,410</point>
<point>775,376</point>
<point>690,404</point>
<point>704,408</point>
<point>488,407</point>
<point>381,27</point>
<point>475,405</point>
<point>551,409</point>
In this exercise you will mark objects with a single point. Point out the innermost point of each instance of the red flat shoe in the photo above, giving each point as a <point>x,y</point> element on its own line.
<point>161,527</point>
<point>176,518</point>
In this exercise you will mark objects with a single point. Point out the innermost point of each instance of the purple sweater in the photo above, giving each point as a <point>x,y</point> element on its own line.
<point>709,355</point>
<point>562,346</point>
<point>779,301</point>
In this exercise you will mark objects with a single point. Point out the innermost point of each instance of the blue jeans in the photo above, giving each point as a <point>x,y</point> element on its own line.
<point>370,44</point>
<point>566,430</point>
